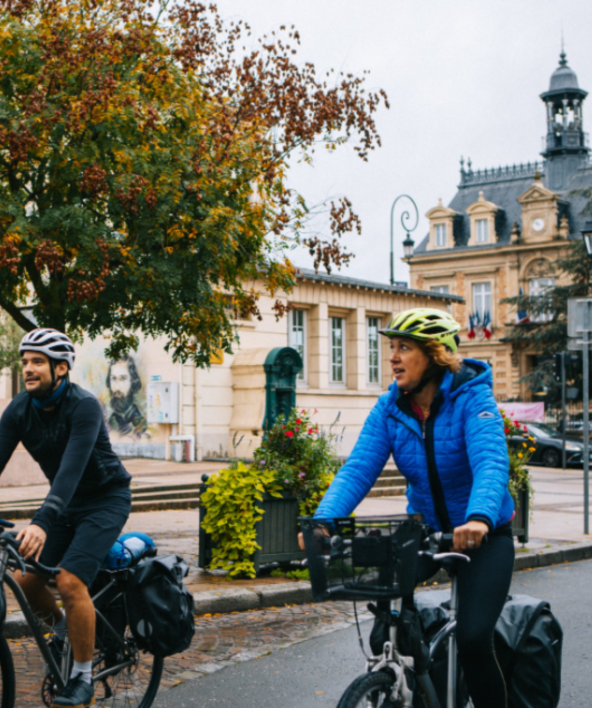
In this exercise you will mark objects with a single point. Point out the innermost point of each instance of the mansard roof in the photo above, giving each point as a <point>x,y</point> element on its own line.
<point>345,281</point>
<point>503,186</point>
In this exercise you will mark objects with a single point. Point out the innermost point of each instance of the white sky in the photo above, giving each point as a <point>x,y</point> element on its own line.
<point>463,78</point>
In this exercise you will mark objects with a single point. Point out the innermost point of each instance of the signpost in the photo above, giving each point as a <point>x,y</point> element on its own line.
<point>579,326</point>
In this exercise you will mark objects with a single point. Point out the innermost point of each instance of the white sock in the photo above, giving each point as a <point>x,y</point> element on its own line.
<point>84,668</point>
<point>60,629</point>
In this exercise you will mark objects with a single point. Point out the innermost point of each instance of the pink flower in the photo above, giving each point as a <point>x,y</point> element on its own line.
<point>525,429</point>
<point>289,433</point>
<point>302,475</point>
<point>298,421</point>
<point>310,431</point>
<point>287,481</point>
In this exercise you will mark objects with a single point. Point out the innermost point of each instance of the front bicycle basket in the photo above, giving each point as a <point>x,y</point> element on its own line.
<point>362,558</point>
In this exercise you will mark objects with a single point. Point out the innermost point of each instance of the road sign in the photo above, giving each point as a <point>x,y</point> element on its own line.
<point>579,316</point>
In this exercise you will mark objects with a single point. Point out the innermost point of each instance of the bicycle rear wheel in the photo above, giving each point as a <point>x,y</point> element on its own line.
<point>134,684</point>
<point>7,689</point>
<point>369,691</point>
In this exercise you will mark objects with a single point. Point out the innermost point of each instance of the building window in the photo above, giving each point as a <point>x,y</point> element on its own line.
<point>482,230</point>
<point>440,234</point>
<point>297,337</point>
<point>482,300</point>
<point>337,342</point>
<point>537,287</point>
<point>445,289</point>
<point>373,339</point>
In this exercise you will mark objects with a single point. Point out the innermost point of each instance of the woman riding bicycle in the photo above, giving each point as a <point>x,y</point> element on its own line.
<point>440,422</point>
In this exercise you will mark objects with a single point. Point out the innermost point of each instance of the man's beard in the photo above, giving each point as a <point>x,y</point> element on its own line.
<point>41,391</point>
<point>120,402</point>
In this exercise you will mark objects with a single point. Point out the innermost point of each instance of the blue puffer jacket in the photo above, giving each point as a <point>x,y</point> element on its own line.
<point>463,459</point>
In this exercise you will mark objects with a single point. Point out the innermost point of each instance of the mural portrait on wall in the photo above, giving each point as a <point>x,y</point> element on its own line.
<point>125,386</point>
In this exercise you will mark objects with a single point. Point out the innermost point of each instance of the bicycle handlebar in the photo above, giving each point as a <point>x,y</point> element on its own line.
<point>13,545</point>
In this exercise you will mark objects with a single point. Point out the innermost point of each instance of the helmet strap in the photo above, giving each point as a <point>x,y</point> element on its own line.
<point>432,372</point>
<point>54,380</point>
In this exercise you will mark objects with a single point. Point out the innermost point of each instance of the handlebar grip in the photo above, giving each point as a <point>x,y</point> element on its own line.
<point>44,569</point>
<point>39,567</point>
<point>6,524</point>
<point>446,541</point>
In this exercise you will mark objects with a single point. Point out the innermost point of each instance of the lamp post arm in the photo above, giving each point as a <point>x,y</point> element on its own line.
<point>404,217</point>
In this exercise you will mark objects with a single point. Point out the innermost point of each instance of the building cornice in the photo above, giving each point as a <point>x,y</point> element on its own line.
<point>494,250</point>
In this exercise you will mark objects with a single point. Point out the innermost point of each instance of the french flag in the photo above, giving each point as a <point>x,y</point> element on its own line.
<point>522,315</point>
<point>487,330</point>
<point>471,332</point>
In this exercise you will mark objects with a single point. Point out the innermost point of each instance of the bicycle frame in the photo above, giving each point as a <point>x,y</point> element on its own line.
<point>34,623</point>
<point>395,661</point>
<point>108,594</point>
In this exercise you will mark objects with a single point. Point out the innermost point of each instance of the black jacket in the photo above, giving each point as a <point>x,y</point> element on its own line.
<point>71,445</point>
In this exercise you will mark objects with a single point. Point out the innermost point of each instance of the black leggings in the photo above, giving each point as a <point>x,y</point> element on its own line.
<point>483,586</point>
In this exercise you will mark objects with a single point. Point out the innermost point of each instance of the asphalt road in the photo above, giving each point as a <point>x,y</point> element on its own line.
<point>314,673</point>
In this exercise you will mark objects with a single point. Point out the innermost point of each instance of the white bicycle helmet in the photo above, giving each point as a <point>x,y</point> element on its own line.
<point>55,345</point>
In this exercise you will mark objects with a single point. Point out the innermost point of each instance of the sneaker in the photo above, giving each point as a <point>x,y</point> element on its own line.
<point>77,693</point>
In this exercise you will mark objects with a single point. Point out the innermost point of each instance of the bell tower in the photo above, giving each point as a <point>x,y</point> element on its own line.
<point>566,148</point>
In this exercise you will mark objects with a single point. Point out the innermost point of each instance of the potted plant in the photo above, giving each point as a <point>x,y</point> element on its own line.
<point>249,512</point>
<point>520,449</point>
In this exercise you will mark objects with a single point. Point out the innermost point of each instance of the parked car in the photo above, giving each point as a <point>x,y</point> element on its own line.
<point>549,444</point>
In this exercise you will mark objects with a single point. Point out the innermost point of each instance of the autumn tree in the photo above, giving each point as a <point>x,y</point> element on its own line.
<point>144,154</point>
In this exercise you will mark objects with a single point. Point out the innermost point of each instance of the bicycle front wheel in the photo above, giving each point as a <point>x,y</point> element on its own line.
<point>7,689</point>
<point>369,691</point>
<point>126,680</point>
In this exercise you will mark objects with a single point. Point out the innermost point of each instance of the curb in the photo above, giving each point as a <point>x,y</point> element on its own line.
<point>258,597</point>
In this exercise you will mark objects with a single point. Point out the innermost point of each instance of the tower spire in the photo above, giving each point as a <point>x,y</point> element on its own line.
<point>566,147</point>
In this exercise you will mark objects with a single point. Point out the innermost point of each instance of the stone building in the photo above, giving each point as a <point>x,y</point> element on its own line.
<point>502,231</point>
<point>148,399</point>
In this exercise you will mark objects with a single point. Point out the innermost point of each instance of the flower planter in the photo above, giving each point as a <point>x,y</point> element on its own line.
<point>520,521</point>
<point>276,532</point>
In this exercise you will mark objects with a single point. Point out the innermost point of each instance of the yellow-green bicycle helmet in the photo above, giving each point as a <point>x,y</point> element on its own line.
<point>425,324</point>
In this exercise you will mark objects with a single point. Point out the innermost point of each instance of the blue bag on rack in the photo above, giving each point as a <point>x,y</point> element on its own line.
<point>128,550</point>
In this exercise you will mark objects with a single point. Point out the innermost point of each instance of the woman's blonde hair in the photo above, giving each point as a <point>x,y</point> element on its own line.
<point>441,357</point>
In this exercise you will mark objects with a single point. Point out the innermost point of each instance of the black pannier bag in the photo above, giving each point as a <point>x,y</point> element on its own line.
<point>528,642</point>
<point>159,606</point>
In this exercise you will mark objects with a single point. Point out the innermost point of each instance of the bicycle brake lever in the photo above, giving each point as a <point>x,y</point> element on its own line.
<point>444,556</point>
<point>11,550</point>
<point>11,547</point>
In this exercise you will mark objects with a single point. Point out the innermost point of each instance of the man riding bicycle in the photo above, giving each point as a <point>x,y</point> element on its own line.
<point>61,425</point>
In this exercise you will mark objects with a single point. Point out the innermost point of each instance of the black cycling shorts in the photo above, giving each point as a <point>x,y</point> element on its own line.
<point>82,536</point>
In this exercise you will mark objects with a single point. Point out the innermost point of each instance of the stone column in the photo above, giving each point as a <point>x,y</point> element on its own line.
<point>356,349</point>
<point>318,340</point>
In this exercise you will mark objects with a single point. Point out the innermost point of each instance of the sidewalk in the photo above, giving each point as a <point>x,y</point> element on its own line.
<point>556,535</point>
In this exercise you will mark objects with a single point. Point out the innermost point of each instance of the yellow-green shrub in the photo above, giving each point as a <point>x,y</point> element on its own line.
<point>231,515</point>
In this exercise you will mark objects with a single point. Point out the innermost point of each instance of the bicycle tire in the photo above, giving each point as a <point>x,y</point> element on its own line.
<point>8,687</point>
<point>373,688</point>
<point>131,687</point>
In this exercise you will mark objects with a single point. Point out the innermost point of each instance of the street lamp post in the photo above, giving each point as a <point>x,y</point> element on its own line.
<point>408,243</point>
<point>587,236</point>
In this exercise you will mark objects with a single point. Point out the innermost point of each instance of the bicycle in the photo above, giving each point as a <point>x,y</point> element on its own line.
<point>375,559</point>
<point>122,675</point>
